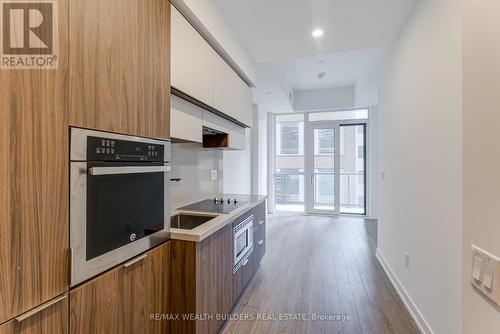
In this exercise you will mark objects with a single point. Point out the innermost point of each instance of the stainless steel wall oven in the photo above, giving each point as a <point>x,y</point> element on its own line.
<point>119,205</point>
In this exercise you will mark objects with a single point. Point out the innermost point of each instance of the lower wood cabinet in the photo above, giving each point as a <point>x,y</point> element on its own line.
<point>129,299</point>
<point>202,282</point>
<point>259,248</point>
<point>242,277</point>
<point>48,318</point>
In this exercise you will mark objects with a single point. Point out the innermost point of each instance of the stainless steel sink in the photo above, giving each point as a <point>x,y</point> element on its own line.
<point>188,221</point>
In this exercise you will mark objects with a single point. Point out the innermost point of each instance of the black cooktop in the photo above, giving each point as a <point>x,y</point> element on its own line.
<point>215,205</point>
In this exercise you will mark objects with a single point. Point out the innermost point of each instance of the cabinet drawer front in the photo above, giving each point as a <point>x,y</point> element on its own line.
<point>259,232</point>
<point>121,300</point>
<point>260,212</point>
<point>48,318</point>
<point>259,251</point>
<point>242,277</point>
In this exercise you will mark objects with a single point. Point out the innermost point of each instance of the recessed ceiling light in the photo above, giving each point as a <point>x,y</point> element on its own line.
<point>321,61</point>
<point>317,33</point>
<point>269,93</point>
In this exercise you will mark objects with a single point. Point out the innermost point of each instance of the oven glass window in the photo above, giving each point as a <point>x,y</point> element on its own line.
<point>122,208</point>
<point>241,243</point>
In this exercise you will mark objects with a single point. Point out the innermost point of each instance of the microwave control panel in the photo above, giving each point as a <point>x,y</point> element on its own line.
<point>106,149</point>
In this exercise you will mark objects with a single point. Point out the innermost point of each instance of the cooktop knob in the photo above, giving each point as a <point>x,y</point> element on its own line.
<point>235,201</point>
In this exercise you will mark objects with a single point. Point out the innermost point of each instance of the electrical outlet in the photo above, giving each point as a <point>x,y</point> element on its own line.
<point>213,175</point>
<point>407,260</point>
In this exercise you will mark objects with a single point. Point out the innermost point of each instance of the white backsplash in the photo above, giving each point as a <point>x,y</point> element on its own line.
<point>193,165</point>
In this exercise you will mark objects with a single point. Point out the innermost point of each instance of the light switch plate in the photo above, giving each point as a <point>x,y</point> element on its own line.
<point>491,266</point>
<point>213,174</point>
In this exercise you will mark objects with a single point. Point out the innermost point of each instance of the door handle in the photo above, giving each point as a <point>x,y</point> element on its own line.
<point>312,178</point>
<point>40,308</point>
<point>127,170</point>
<point>134,261</point>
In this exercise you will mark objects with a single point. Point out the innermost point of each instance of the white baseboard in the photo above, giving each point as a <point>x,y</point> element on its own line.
<point>422,324</point>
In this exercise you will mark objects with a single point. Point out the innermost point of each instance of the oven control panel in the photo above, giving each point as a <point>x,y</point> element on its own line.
<point>106,149</point>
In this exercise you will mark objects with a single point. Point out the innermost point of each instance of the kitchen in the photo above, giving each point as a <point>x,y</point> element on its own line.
<point>230,166</point>
<point>100,218</point>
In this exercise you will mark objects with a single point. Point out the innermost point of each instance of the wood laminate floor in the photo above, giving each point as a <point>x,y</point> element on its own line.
<point>321,265</point>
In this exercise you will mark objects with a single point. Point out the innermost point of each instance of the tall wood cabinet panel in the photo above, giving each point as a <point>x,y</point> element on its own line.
<point>34,242</point>
<point>123,299</point>
<point>191,66</point>
<point>119,75</point>
<point>48,318</point>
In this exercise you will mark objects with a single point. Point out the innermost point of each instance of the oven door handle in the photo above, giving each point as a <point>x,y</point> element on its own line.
<point>127,170</point>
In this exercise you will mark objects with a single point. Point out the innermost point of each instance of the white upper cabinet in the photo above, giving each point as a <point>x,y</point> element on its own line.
<point>186,120</point>
<point>232,96</point>
<point>198,71</point>
<point>192,60</point>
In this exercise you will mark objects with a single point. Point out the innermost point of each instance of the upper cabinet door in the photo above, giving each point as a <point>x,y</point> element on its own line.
<point>232,96</point>
<point>119,73</point>
<point>186,121</point>
<point>191,67</point>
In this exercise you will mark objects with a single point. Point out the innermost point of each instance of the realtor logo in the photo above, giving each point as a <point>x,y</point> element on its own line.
<point>28,34</point>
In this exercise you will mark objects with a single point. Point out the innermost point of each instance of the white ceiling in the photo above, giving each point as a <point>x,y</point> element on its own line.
<point>342,69</point>
<point>278,30</point>
<point>276,80</point>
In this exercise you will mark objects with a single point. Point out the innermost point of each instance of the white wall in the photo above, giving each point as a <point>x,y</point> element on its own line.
<point>366,91</point>
<point>481,152</point>
<point>237,169</point>
<point>327,98</point>
<point>193,164</point>
<point>420,150</point>
<point>206,16</point>
<point>259,152</point>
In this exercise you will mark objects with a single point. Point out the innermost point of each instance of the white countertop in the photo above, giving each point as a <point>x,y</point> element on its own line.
<point>221,219</point>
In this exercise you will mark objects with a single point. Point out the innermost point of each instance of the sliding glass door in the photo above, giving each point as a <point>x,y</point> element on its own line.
<point>320,162</point>
<point>335,168</point>
<point>322,166</point>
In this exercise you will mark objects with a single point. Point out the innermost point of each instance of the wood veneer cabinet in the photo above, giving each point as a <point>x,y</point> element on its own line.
<point>48,318</point>
<point>202,281</point>
<point>34,256</point>
<point>119,74</point>
<point>122,300</point>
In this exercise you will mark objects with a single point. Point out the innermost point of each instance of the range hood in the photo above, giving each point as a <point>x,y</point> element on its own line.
<point>214,138</point>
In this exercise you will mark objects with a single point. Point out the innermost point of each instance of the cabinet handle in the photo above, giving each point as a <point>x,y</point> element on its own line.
<point>260,242</point>
<point>39,309</point>
<point>134,261</point>
<point>261,222</point>
<point>245,262</point>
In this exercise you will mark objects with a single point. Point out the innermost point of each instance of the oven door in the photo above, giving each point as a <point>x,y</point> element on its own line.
<point>118,210</point>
